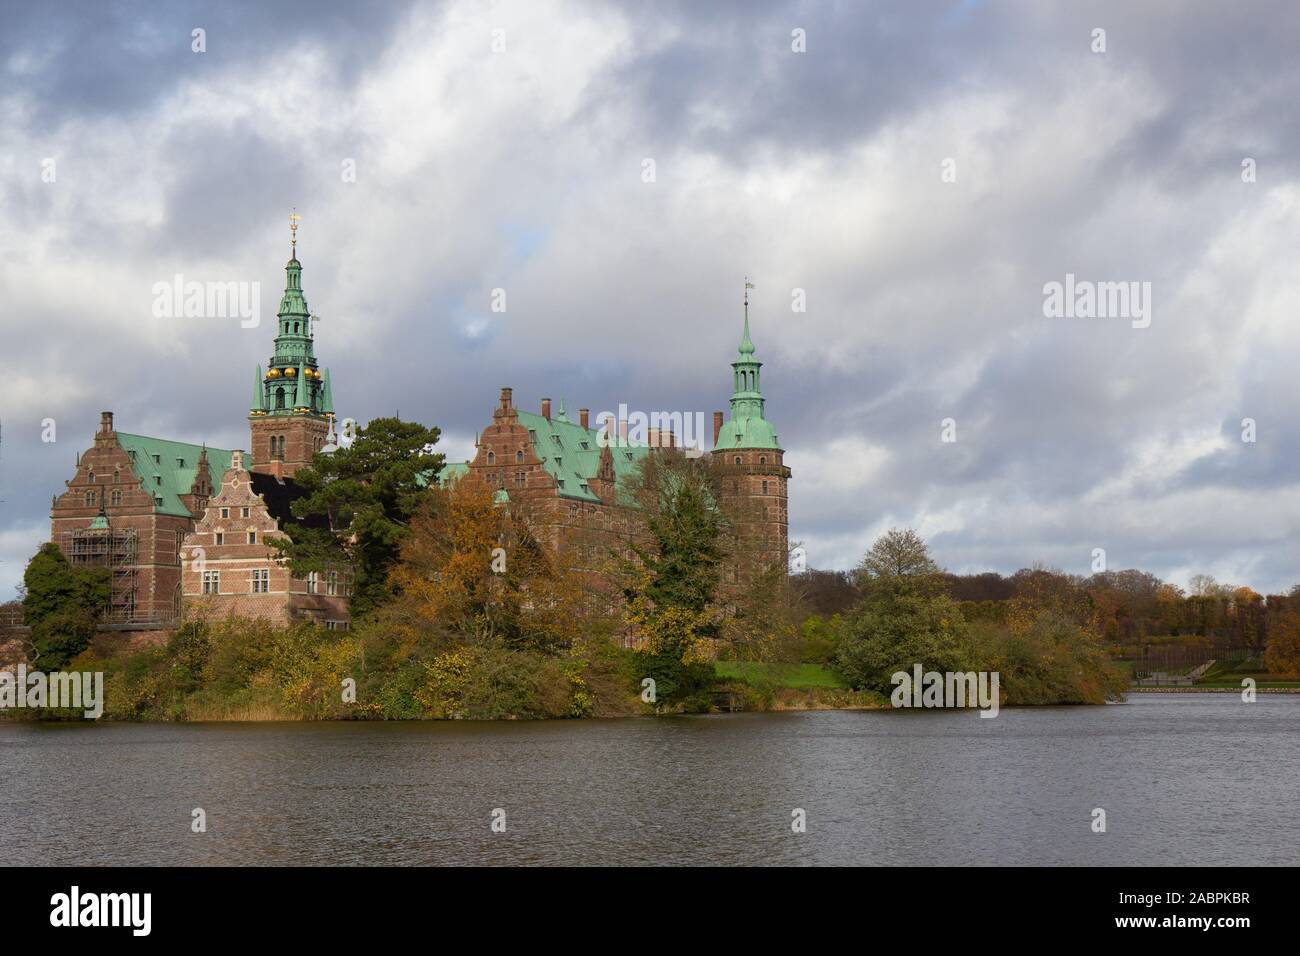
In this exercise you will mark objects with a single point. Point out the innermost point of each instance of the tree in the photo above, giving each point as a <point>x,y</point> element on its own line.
<point>670,588</point>
<point>362,499</point>
<point>476,571</point>
<point>62,605</point>
<point>904,618</point>
<point>1282,653</point>
<point>899,561</point>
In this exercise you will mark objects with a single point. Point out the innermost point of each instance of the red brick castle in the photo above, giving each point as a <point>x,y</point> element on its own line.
<point>184,527</point>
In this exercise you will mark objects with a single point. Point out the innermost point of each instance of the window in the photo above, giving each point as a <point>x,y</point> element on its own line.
<point>336,625</point>
<point>91,477</point>
<point>559,462</point>
<point>520,478</point>
<point>252,535</point>
<point>115,497</point>
<point>220,537</point>
<point>261,581</point>
<point>225,512</point>
<point>211,582</point>
<point>157,459</point>
<point>762,459</point>
<point>585,446</point>
<point>560,482</point>
<point>737,459</point>
<point>311,582</point>
<point>279,402</point>
<point>90,499</point>
<point>492,458</point>
<point>180,462</point>
<point>157,479</point>
<point>764,486</point>
<point>519,456</point>
<point>332,582</point>
<point>243,512</point>
<point>556,439</point>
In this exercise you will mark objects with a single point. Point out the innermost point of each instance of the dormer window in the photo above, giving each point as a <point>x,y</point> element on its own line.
<point>585,446</point>
<point>157,459</point>
<point>628,455</point>
<point>180,462</point>
<point>556,439</point>
<point>157,479</point>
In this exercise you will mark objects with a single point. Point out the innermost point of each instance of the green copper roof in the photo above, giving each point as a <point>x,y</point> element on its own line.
<point>747,433</point>
<point>294,349</point>
<point>746,343</point>
<point>167,468</point>
<point>100,523</point>
<point>560,446</point>
<point>747,427</point>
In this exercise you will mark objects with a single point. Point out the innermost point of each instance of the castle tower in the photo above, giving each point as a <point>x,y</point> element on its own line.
<point>293,407</point>
<point>751,467</point>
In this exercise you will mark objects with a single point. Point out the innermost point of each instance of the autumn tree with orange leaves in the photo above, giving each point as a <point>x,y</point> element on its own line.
<point>475,571</point>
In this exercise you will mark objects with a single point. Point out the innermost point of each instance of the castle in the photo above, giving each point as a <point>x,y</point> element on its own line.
<point>183,526</point>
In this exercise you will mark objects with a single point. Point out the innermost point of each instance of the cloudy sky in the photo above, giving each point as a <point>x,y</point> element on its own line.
<point>920,170</point>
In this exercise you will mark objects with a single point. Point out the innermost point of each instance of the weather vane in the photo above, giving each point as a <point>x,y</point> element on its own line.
<point>748,285</point>
<point>294,219</point>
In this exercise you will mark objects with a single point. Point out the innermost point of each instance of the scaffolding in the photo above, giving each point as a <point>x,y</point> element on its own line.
<point>115,550</point>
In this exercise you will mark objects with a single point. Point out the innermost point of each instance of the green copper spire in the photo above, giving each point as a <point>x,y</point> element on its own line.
<point>746,344</point>
<point>747,428</point>
<point>100,522</point>
<point>259,400</point>
<point>327,396</point>
<point>292,383</point>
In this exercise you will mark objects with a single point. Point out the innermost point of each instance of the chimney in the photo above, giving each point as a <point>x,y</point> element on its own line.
<point>717,426</point>
<point>505,397</point>
<point>582,417</point>
<point>546,409</point>
<point>237,460</point>
<point>652,437</point>
<point>622,432</point>
<point>105,422</point>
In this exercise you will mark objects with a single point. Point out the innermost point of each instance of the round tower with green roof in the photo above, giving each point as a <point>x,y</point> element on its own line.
<point>750,461</point>
<point>293,407</point>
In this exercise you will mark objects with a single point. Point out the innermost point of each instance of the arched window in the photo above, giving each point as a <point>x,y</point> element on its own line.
<point>279,397</point>
<point>762,459</point>
<point>519,456</point>
<point>737,459</point>
<point>492,458</point>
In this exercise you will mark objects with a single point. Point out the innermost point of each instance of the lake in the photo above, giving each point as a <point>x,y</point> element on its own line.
<point>1184,779</point>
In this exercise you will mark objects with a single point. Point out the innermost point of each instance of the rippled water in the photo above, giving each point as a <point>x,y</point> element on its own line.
<point>1195,778</point>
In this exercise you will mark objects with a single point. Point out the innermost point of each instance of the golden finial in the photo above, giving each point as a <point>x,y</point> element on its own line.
<point>294,219</point>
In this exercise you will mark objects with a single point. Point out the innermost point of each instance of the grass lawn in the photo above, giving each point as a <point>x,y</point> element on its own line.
<point>795,676</point>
